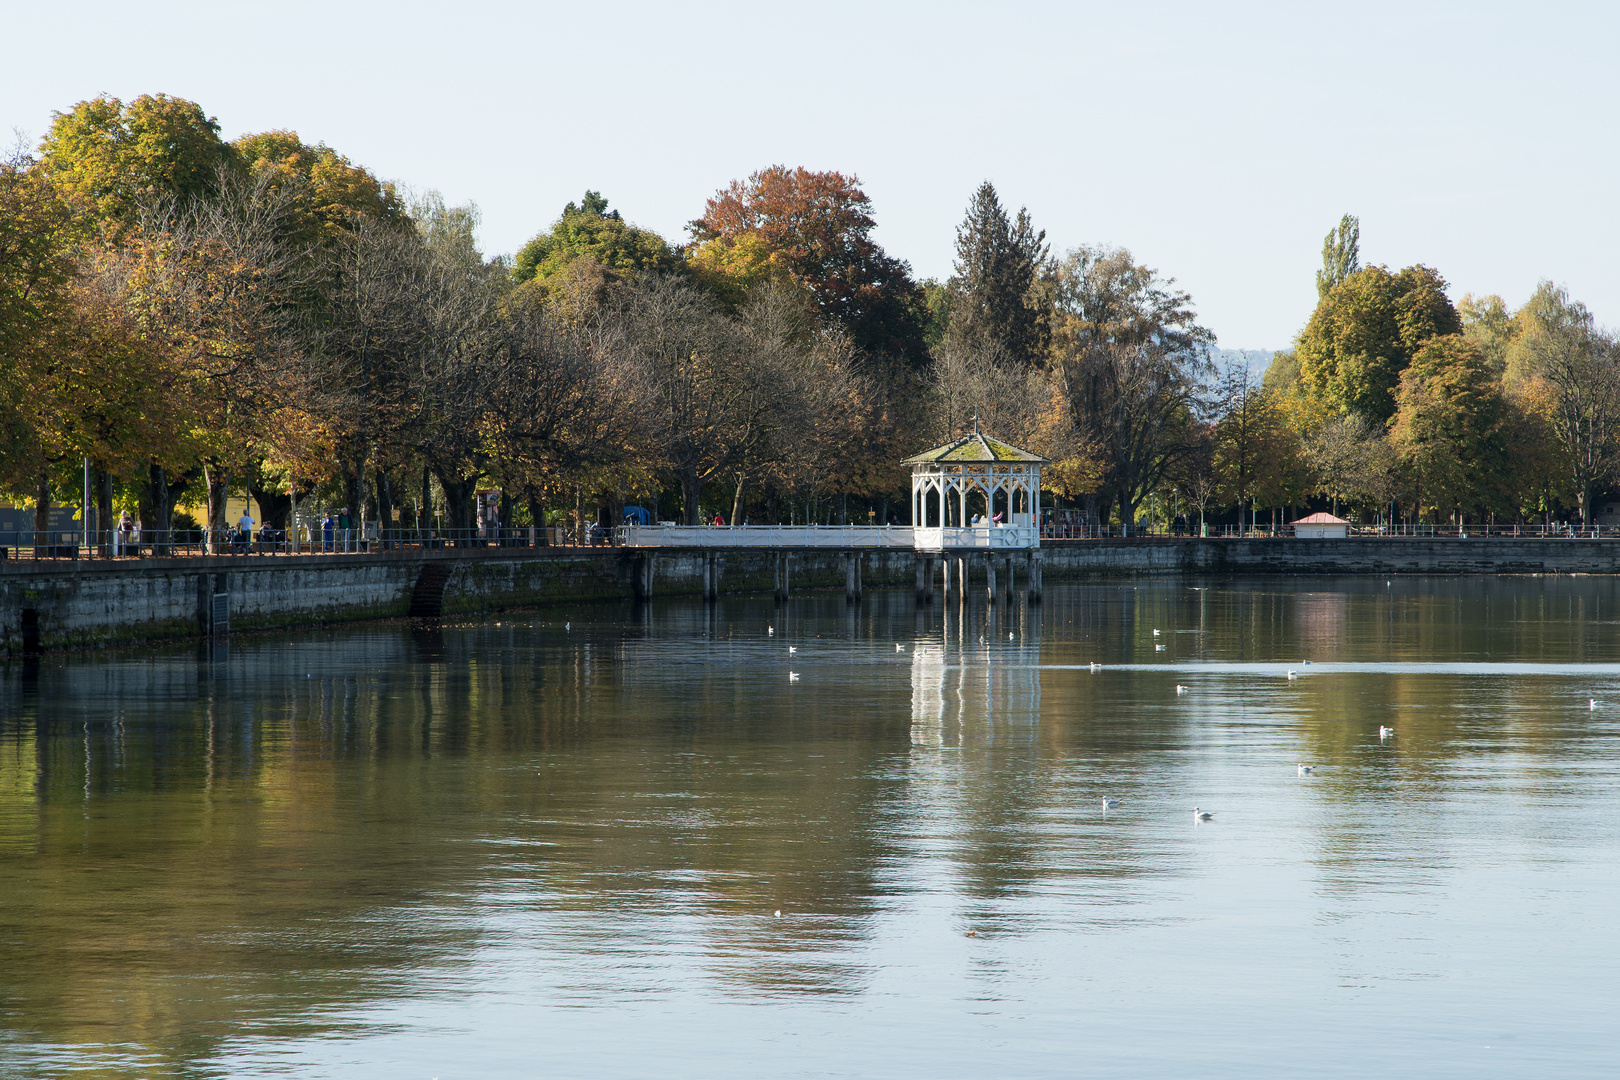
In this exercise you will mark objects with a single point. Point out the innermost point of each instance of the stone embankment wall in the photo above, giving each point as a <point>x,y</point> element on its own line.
<point>58,605</point>
<point>55,605</point>
<point>1393,555</point>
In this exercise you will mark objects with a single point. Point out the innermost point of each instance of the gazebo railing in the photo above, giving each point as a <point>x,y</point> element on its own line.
<point>976,538</point>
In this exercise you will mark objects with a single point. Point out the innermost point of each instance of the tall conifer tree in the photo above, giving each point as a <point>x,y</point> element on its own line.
<point>994,297</point>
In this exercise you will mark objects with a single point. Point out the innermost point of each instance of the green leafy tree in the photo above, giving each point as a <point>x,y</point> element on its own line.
<point>588,229</point>
<point>1129,362</point>
<point>1487,322</point>
<point>995,302</point>
<point>112,155</point>
<point>1254,447</point>
<point>1448,429</point>
<point>1561,358</point>
<point>334,191</point>
<point>1365,332</point>
<point>1341,255</point>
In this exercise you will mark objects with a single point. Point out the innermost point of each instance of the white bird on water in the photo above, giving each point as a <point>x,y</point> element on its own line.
<point>1307,770</point>
<point>1385,732</point>
<point>1180,689</point>
<point>899,648</point>
<point>1155,633</point>
<point>769,630</point>
<point>568,626</point>
<point>1293,674</point>
<point>1202,815</point>
<point>793,676</point>
<point>792,649</point>
<point>1096,666</point>
<point>1009,635</point>
<point>1110,803</point>
<point>1591,703</point>
<point>1158,648</point>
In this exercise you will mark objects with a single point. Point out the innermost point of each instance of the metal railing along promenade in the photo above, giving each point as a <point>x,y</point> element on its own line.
<point>58,544</point>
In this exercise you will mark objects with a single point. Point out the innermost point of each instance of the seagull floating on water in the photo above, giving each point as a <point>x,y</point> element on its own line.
<point>899,648</point>
<point>1155,633</point>
<point>792,649</point>
<point>1096,666</point>
<point>1307,770</point>
<point>1180,689</point>
<point>1109,803</point>
<point>1385,732</point>
<point>1202,815</point>
<point>1591,703</point>
<point>793,676</point>
<point>769,630</point>
<point>1158,648</point>
<point>568,626</point>
<point>1292,674</point>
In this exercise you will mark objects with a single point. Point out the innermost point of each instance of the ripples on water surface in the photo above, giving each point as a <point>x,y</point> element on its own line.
<point>503,848</point>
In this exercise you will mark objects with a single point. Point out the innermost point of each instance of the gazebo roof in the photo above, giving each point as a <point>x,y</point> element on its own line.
<point>1320,519</point>
<point>975,449</point>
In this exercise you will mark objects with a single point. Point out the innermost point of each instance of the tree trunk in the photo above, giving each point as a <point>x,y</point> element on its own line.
<point>458,506</point>
<point>691,492</point>
<point>274,506</point>
<point>217,480</point>
<point>424,506</point>
<point>385,502</point>
<point>1127,514</point>
<point>42,511</point>
<point>737,500</point>
<point>537,518</point>
<point>162,500</point>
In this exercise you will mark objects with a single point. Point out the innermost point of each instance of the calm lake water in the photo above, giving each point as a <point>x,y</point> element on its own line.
<point>634,847</point>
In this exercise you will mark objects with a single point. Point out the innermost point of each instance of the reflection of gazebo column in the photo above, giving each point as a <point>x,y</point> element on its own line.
<point>990,579</point>
<point>1034,573</point>
<point>782,583</point>
<point>852,577</point>
<point>925,579</point>
<point>711,578</point>
<point>946,562</point>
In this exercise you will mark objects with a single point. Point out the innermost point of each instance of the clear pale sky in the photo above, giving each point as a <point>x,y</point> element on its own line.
<point>1219,142</point>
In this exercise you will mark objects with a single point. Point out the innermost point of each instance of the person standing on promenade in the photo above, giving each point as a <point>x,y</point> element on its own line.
<point>244,530</point>
<point>328,527</point>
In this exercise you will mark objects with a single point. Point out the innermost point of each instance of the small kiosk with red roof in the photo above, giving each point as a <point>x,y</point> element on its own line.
<point>1321,527</point>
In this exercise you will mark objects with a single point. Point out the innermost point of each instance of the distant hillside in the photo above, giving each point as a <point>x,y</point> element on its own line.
<point>1256,360</point>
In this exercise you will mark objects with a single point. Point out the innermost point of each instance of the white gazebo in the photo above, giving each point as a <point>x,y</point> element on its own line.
<point>976,493</point>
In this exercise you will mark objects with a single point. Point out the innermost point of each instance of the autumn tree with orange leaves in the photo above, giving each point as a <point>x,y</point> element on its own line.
<point>816,227</point>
